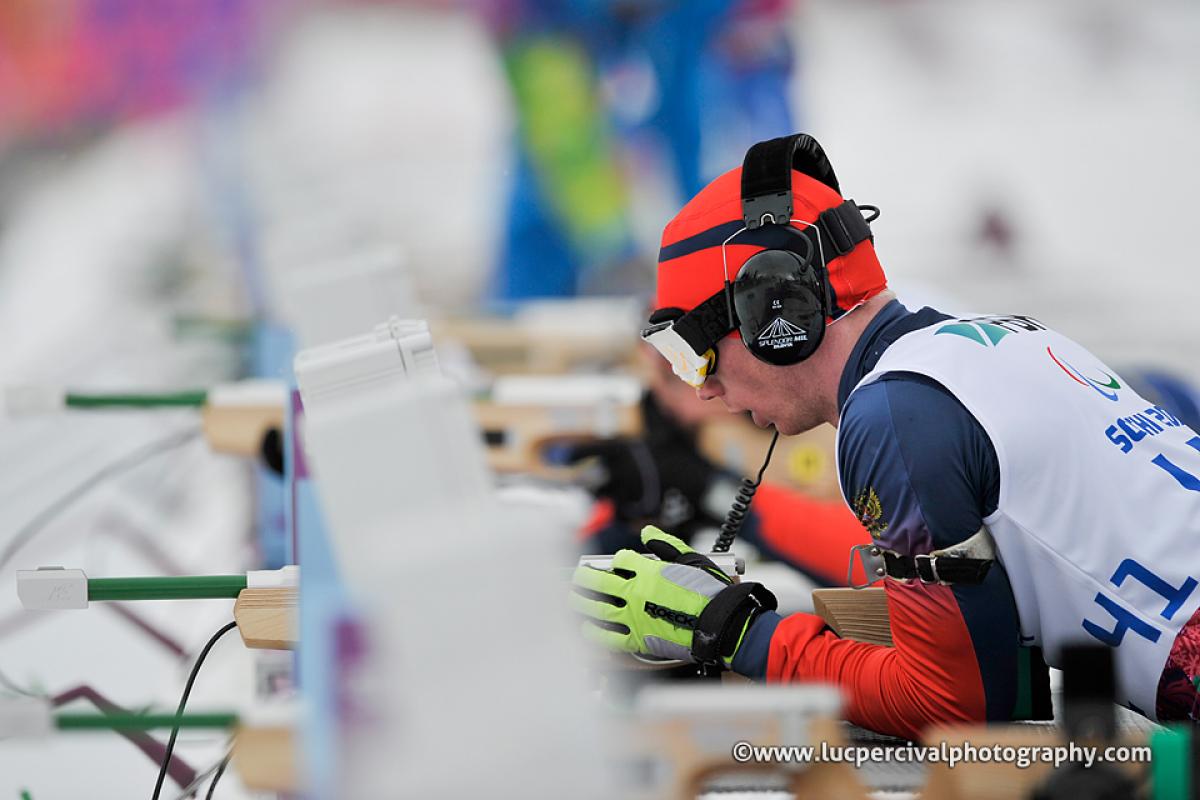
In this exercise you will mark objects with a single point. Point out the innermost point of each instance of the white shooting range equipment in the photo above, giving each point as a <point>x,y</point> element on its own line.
<point>59,588</point>
<point>392,353</point>
<point>263,751</point>
<point>235,417</point>
<point>464,633</point>
<point>689,734</point>
<point>264,607</point>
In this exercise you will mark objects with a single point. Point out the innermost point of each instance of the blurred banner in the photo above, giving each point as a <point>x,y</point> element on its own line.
<point>68,66</point>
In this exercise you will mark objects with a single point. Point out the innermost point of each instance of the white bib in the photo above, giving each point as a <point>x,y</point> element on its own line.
<point>1098,522</point>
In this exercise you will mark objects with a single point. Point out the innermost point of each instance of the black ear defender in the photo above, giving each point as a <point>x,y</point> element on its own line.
<point>779,301</point>
<point>782,296</point>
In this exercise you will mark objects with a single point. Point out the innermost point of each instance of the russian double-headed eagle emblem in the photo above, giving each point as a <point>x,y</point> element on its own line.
<point>869,511</point>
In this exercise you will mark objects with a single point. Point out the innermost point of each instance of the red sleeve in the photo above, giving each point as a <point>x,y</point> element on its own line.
<point>604,512</point>
<point>814,534</point>
<point>929,676</point>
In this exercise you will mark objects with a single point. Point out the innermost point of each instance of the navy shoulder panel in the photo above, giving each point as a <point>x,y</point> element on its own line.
<point>917,468</point>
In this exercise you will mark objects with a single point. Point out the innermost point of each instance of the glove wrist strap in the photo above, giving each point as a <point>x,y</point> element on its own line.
<point>722,621</point>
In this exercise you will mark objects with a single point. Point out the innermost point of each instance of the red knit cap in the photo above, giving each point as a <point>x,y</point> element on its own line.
<point>689,263</point>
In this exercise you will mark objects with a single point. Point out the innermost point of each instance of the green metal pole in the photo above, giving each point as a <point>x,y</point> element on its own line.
<point>185,587</point>
<point>143,722</point>
<point>189,399</point>
<point>230,330</point>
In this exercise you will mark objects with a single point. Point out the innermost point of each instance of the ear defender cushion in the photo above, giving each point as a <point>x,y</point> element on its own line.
<point>779,300</point>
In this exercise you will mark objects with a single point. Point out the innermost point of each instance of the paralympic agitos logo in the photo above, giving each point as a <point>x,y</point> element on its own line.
<point>1107,388</point>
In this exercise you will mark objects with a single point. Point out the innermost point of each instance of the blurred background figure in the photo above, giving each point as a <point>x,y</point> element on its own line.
<point>613,92</point>
<point>1170,390</point>
<point>664,478</point>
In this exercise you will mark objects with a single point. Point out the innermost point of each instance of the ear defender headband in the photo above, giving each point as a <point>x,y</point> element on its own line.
<point>781,297</point>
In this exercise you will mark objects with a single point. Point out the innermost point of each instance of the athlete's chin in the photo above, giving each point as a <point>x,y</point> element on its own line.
<point>787,428</point>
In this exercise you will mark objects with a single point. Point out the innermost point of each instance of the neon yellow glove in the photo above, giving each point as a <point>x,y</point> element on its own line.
<point>680,606</point>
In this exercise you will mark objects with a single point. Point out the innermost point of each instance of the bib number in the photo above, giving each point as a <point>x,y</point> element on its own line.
<point>1186,479</point>
<point>1126,620</point>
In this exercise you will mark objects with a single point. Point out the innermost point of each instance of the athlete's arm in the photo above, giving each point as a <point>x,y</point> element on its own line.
<point>934,477</point>
<point>811,536</point>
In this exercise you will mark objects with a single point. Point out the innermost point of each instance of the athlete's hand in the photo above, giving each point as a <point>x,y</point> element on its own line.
<point>679,606</point>
<point>660,476</point>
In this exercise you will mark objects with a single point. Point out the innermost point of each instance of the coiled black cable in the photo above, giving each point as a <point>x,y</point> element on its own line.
<point>741,505</point>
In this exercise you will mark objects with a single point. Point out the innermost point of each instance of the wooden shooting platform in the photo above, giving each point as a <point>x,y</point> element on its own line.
<point>858,614</point>
<point>504,347</point>
<point>519,434</point>
<point>694,762</point>
<point>265,759</point>
<point>239,430</point>
<point>266,618</point>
